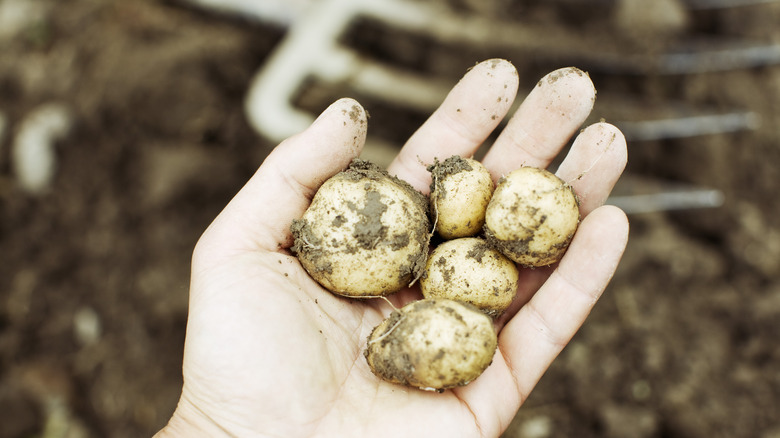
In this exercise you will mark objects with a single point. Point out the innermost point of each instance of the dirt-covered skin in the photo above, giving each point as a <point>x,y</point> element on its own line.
<point>432,344</point>
<point>460,191</point>
<point>469,270</point>
<point>532,217</point>
<point>365,233</point>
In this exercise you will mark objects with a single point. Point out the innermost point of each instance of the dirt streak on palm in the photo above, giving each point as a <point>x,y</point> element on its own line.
<point>269,352</point>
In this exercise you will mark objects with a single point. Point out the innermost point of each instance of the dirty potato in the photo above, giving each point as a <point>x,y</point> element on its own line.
<point>532,217</point>
<point>470,271</point>
<point>364,234</point>
<point>432,344</point>
<point>460,192</point>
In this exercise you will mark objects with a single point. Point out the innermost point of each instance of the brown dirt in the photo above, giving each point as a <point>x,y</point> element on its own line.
<point>441,169</point>
<point>94,273</point>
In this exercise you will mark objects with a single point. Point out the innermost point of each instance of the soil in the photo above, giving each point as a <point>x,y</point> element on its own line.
<point>94,272</point>
<point>440,170</point>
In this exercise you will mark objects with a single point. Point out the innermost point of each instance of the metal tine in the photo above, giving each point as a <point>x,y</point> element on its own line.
<point>636,195</point>
<point>694,57</point>
<point>689,126</point>
<point>640,120</point>
<point>711,55</point>
<point>668,201</point>
<point>689,4</point>
<point>722,4</point>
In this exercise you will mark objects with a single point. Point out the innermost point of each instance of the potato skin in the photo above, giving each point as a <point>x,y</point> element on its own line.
<point>364,234</point>
<point>470,271</point>
<point>460,192</point>
<point>432,344</point>
<point>532,217</point>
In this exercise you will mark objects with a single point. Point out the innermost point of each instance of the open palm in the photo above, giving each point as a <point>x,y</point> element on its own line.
<point>271,353</point>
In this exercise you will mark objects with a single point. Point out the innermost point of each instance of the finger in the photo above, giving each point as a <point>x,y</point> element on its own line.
<point>554,110</point>
<point>540,330</point>
<point>533,338</point>
<point>259,216</point>
<point>468,115</point>
<point>529,281</point>
<point>594,164</point>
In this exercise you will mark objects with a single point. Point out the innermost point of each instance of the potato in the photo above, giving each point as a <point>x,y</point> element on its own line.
<point>432,344</point>
<point>532,217</point>
<point>365,233</point>
<point>470,271</point>
<point>460,192</point>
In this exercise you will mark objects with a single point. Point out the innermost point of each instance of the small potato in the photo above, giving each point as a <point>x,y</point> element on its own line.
<point>365,233</point>
<point>460,192</point>
<point>470,271</point>
<point>532,217</point>
<point>432,344</point>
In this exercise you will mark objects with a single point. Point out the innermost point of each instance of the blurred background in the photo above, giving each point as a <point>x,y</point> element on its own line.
<point>126,126</point>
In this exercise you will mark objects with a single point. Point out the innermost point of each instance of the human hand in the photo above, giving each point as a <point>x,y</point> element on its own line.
<point>269,352</point>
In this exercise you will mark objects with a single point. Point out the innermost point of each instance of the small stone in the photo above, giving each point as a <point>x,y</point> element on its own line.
<point>537,427</point>
<point>86,326</point>
<point>33,156</point>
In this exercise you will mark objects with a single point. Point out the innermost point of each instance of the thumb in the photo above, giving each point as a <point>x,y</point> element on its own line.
<point>259,216</point>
